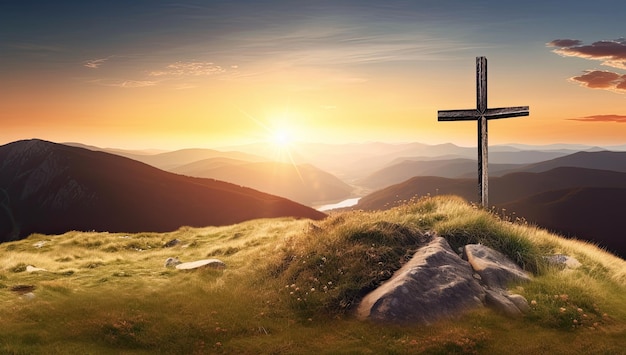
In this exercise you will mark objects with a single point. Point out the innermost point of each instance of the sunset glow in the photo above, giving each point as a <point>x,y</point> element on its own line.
<point>213,74</point>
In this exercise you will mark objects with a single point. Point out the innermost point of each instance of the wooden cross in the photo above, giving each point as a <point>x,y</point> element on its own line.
<point>482,114</point>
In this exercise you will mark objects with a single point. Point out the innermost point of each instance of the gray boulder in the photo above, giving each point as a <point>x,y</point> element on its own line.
<point>171,262</point>
<point>436,283</point>
<point>496,271</point>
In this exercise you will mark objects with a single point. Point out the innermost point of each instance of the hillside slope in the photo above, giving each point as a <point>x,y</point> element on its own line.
<point>591,213</point>
<point>291,286</point>
<point>52,188</point>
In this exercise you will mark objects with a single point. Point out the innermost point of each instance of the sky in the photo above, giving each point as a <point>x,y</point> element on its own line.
<point>178,74</point>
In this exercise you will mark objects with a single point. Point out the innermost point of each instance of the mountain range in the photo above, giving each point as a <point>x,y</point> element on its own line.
<point>571,189</point>
<point>53,188</point>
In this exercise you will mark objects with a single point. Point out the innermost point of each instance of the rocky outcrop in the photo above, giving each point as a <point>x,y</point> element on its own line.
<point>434,284</point>
<point>437,283</point>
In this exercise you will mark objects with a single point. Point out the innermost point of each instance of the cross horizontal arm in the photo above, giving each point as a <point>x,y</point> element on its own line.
<point>504,112</point>
<point>458,115</point>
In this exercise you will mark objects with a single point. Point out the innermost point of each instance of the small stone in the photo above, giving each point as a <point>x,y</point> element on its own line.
<point>31,268</point>
<point>502,304</point>
<point>171,243</point>
<point>171,262</point>
<point>563,261</point>
<point>520,302</point>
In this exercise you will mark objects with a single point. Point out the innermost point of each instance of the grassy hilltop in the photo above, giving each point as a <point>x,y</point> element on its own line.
<point>290,286</point>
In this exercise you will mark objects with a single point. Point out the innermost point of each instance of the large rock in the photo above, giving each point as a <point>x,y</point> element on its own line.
<point>434,284</point>
<point>496,271</point>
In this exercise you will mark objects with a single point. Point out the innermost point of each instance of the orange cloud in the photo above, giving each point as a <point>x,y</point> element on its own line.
<point>601,118</point>
<point>597,79</point>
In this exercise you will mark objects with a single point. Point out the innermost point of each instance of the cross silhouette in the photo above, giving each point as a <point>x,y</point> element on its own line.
<point>482,114</point>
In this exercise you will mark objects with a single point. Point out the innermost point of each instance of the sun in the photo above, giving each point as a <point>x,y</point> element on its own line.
<point>281,137</point>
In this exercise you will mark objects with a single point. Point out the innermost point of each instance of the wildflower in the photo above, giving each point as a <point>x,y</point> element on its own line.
<point>562,309</point>
<point>533,303</point>
<point>312,289</point>
<point>580,310</point>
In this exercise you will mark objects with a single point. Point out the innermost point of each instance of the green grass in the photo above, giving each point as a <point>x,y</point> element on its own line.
<point>291,286</point>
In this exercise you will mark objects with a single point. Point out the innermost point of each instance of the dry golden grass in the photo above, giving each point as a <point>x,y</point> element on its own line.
<point>110,293</point>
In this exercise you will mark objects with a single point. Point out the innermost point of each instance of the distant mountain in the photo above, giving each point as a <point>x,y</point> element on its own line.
<point>303,183</point>
<point>602,160</point>
<point>503,160</point>
<point>502,189</point>
<point>355,160</point>
<point>52,188</point>
<point>591,213</point>
<point>177,158</point>
<point>450,168</point>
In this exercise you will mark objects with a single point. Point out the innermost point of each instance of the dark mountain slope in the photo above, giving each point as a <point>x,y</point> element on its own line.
<point>52,188</point>
<point>502,189</point>
<point>590,213</point>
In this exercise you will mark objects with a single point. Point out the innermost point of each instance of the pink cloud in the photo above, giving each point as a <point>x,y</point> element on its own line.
<point>564,43</point>
<point>601,118</point>
<point>611,53</point>
<point>598,79</point>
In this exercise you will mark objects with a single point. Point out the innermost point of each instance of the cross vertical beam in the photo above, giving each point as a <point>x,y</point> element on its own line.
<point>483,146</point>
<point>482,114</point>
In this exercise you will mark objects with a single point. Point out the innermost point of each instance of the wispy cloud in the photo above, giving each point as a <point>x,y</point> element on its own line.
<point>610,53</point>
<point>124,83</point>
<point>95,63</point>
<point>192,68</point>
<point>601,118</point>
